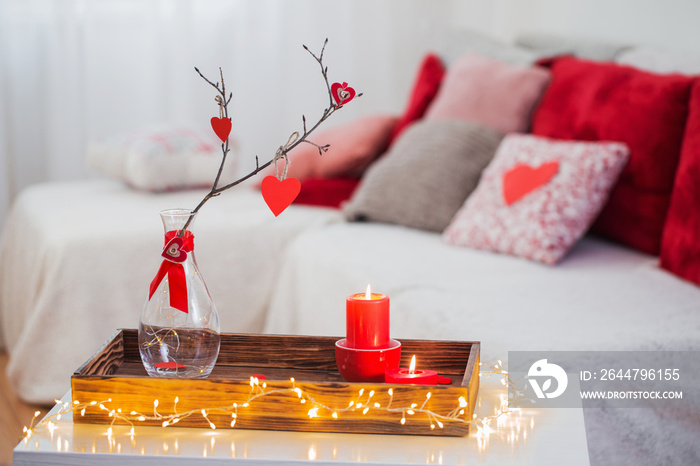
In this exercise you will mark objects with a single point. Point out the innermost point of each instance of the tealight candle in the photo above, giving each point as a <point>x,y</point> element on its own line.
<point>411,375</point>
<point>367,320</point>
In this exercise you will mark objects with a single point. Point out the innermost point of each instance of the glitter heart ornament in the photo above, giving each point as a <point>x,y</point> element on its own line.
<point>278,194</point>
<point>342,93</point>
<point>174,251</point>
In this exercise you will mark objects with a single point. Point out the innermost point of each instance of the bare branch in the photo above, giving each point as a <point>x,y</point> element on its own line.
<point>332,107</point>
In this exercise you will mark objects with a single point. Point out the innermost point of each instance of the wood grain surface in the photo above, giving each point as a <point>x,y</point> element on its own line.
<point>116,372</point>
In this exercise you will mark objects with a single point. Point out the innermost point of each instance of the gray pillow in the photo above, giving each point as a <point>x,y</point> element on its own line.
<point>426,176</point>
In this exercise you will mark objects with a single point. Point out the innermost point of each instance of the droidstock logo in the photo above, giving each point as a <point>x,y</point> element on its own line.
<point>544,371</point>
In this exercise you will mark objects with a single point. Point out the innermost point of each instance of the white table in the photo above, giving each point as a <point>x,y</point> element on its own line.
<point>529,437</point>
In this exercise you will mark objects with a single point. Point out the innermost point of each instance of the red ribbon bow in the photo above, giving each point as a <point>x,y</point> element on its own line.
<point>174,252</point>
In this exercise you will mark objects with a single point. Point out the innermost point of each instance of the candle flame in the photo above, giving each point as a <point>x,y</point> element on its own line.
<point>412,367</point>
<point>368,293</point>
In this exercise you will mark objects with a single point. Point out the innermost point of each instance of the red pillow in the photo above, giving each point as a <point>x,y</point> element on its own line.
<point>353,147</point>
<point>425,89</point>
<point>680,248</point>
<point>330,192</point>
<point>607,102</point>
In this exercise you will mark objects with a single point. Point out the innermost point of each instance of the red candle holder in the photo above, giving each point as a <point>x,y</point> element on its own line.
<point>412,376</point>
<point>401,375</point>
<point>366,365</point>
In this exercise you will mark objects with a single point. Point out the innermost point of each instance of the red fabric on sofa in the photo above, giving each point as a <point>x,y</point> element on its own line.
<point>425,88</point>
<point>595,101</point>
<point>327,192</point>
<point>680,245</point>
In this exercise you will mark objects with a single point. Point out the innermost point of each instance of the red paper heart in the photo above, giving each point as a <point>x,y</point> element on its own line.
<point>279,194</point>
<point>523,179</point>
<point>169,365</point>
<point>342,93</point>
<point>222,127</point>
<point>173,250</point>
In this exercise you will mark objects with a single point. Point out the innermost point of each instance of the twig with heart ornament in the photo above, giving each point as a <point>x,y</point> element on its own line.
<point>338,95</point>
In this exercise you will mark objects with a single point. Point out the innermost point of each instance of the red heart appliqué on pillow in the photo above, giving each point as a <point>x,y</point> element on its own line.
<point>222,127</point>
<point>342,93</point>
<point>522,179</point>
<point>279,194</point>
<point>173,250</point>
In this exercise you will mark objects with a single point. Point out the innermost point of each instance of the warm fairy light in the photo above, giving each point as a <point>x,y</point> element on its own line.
<point>368,293</point>
<point>319,410</point>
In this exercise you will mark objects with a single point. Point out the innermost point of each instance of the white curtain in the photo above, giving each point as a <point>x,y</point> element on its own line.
<point>73,71</point>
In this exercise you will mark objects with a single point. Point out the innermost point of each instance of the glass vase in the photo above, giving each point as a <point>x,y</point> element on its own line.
<point>179,326</point>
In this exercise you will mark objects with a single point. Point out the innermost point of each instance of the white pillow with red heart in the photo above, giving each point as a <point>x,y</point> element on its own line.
<point>538,196</point>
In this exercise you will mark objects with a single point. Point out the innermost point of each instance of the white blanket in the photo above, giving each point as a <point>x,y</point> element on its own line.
<point>76,260</point>
<point>601,297</point>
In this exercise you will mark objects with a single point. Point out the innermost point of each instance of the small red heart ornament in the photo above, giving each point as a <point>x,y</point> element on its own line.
<point>342,93</point>
<point>279,194</point>
<point>173,250</point>
<point>222,127</point>
<point>522,179</point>
<point>169,365</point>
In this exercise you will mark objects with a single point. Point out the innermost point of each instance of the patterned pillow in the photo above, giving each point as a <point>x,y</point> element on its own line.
<point>538,197</point>
<point>163,159</point>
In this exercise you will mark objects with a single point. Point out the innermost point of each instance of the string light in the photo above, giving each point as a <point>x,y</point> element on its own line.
<point>257,392</point>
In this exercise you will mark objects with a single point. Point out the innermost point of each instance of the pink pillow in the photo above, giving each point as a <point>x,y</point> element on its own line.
<point>489,92</point>
<point>538,197</point>
<point>353,146</point>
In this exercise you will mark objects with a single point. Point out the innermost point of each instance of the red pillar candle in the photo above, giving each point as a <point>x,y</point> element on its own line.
<point>367,320</point>
<point>411,375</point>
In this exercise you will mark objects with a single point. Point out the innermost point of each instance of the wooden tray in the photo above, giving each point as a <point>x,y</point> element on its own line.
<point>317,399</point>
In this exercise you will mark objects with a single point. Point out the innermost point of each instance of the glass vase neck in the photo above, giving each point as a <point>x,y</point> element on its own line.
<point>176,219</point>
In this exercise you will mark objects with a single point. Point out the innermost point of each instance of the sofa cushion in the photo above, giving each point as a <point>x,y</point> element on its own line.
<point>660,60</point>
<point>328,192</point>
<point>462,41</point>
<point>537,197</point>
<point>353,146</point>
<point>559,44</point>
<point>162,159</point>
<point>425,88</point>
<point>489,92</point>
<point>607,102</point>
<point>426,175</point>
<point>680,248</point>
